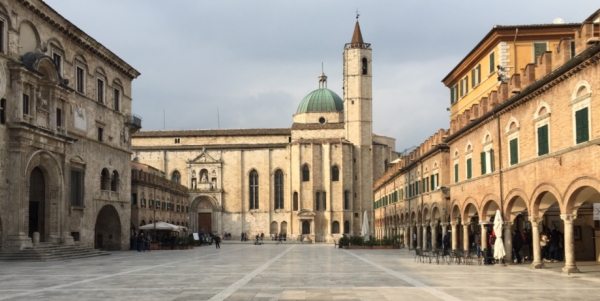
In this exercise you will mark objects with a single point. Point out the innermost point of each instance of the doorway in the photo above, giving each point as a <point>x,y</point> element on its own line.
<point>37,200</point>
<point>305,227</point>
<point>205,222</point>
<point>108,229</point>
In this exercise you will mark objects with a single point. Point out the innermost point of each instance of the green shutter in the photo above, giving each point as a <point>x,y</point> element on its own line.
<point>492,63</point>
<point>539,49</point>
<point>491,160</point>
<point>483,163</point>
<point>466,84</point>
<point>582,130</point>
<point>469,174</point>
<point>473,83</point>
<point>455,173</point>
<point>479,74</point>
<point>452,95</point>
<point>432,180</point>
<point>543,147</point>
<point>514,151</point>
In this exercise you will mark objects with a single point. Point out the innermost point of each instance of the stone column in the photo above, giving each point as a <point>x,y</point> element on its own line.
<point>425,235</point>
<point>444,230</point>
<point>406,233</point>
<point>508,259</point>
<point>569,243</point>
<point>466,237</point>
<point>434,235</point>
<point>484,238</point>
<point>454,237</point>
<point>410,236</point>
<point>419,237</point>
<point>537,263</point>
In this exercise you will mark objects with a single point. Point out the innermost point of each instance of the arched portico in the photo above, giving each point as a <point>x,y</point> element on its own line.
<point>107,231</point>
<point>205,215</point>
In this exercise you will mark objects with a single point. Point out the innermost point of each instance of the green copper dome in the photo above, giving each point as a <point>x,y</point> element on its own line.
<point>321,100</point>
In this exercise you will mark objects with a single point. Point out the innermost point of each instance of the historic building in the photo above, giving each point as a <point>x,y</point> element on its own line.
<point>65,128</point>
<point>155,198</point>
<point>312,181</point>
<point>526,147</point>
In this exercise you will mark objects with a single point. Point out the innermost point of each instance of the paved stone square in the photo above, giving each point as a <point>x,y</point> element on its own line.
<point>281,272</point>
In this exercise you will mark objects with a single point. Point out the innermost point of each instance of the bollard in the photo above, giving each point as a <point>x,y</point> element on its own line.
<point>36,238</point>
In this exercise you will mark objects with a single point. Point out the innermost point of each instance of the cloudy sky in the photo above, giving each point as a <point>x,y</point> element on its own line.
<point>254,61</point>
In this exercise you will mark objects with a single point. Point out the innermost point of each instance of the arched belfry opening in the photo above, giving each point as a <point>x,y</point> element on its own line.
<point>364,66</point>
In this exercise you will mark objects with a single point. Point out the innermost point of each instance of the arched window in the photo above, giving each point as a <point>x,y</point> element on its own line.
<point>114,183</point>
<point>278,189</point>
<point>253,193</point>
<point>305,227</point>
<point>176,177</point>
<point>346,200</point>
<point>295,201</point>
<point>335,174</point>
<point>142,223</point>
<point>324,200</point>
<point>365,66</point>
<point>105,180</point>
<point>346,227</point>
<point>335,227</point>
<point>305,173</point>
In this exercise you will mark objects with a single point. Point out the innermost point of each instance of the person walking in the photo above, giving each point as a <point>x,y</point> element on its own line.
<point>133,241</point>
<point>217,242</point>
<point>148,241</point>
<point>446,242</point>
<point>279,238</point>
<point>517,244</point>
<point>140,241</point>
<point>478,244</point>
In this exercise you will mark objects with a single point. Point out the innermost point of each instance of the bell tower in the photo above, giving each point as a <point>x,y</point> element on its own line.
<point>358,118</point>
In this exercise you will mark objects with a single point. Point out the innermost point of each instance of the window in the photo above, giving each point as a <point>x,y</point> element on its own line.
<point>79,80</point>
<point>572,49</point>
<point>58,117</point>
<point>3,111</point>
<point>539,49</point>
<point>455,172</point>
<point>151,204</point>
<point>134,199</point>
<point>176,177</point>
<point>346,200</point>
<point>105,180</point>
<point>542,135</point>
<point>100,88</point>
<point>100,134</point>
<point>514,151</point>
<point>492,63</point>
<point>335,174</point>
<point>253,193</point>
<point>76,188</point>
<point>25,104</point>
<point>114,183</point>
<point>178,208</point>
<point>476,76</point>
<point>335,227</point>
<point>324,200</point>
<point>187,209</point>
<point>305,173</point>
<point>365,66</point>
<point>278,189</point>
<point>57,58</point>
<point>116,99</point>
<point>158,205</point>
<point>464,86</point>
<point>177,140</point>
<point>582,129</point>
<point>346,227</point>
<point>469,173</point>
<point>453,94</point>
<point>318,201</point>
<point>295,201</point>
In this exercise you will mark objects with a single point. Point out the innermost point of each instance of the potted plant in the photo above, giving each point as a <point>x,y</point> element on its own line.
<point>345,242</point>
<point>356,242</point>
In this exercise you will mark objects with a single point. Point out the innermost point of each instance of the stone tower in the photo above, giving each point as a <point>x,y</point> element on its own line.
<point>358,104</point>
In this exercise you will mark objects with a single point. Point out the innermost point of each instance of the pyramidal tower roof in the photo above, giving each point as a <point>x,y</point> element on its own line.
<point>357,35</point>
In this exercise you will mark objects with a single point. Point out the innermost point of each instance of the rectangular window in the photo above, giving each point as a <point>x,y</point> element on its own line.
<point>454,94</point>
<point>57,58</point>
<point>100,134</point>
<point>483,165</point>
<point>432,181</point>
<point>462,88</point>
<point>543,147</point>
<point>456,173</point>
<point>76,188</point>
<point>100,87</point>
<point>492,63</point>
<point>151,204</point>
<point>134,199</point>
<point>476,76</point>
<point>25,104</point>
<point>469,173</point>
<point>157,204</point>
<point>582,131</point>
<point>79,82</point>
<point>117,98</point>
<point>58,117</point>
<point>466,85</point>
<point>187,209</point>
<point>3,111</point>
<point>514,151</point>
<point>539,49</point>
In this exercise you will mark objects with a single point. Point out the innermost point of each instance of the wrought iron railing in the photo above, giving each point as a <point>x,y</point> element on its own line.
<point>134,120</point>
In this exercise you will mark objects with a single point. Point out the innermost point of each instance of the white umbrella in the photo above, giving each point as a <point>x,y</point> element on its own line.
<point>162,226</point>
<point>499,252</point>
<point>365,227</point>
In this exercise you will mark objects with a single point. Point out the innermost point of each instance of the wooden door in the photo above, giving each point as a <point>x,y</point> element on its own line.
<point>205,222</point>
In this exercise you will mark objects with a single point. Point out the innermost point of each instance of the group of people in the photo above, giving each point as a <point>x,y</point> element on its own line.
<point>226,236</point>
<point>140,242</point>
<point>552,245</point>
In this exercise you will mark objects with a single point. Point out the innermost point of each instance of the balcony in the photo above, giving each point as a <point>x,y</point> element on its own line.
<point>134,121</point>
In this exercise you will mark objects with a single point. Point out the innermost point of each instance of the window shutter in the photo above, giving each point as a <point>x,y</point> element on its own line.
<point>514,151</point>
<point>432,180</point>
<point>483,163</point>
<point>581,125</point>
<point>455,173</point>
<point>473,83</point>
<point>542,140</point>
<point>492,63</point>
<point>462,88</point>
<point>478,74</point>
<point>466,84</point>
<point>491,160</point>
<point>469,174</point>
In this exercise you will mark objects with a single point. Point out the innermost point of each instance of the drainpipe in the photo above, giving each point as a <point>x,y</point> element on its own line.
<point>515,49</point>
<point>500,164</point>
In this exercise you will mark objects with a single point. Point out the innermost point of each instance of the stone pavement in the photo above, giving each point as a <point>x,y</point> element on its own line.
<point>281,272</point>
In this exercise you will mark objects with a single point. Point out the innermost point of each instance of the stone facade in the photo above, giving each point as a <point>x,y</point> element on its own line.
<point>530,153</point>
<point>312,181</point>
<point>65,131</point>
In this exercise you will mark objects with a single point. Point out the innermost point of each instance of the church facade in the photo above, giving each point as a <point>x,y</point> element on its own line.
<point>312,181</point>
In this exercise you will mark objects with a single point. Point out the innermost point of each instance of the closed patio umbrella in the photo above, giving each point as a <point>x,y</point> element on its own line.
<point>499,252</point>
<point>365,227</point>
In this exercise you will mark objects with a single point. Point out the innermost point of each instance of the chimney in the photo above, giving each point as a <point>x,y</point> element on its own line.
<point>543,65</point>
<point>562,53</point>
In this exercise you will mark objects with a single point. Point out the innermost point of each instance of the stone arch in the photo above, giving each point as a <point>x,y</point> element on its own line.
<point>426,213</point>
<point>115,181</point>
<point>46,66</point>
<point>413,217</point>
<point>541,105</point>
<point>205,214</point>
<point>107,233</point>
<point>516,202</point>
<point>510,122</point>
<point>176,176</point>
<point>274,227</point>
<point>29,37</point>
<point>469,147</point>
<point>578,191</point>
<point>455,212</point>
<point>50,168</point>
<point>489,205</point>
<point>487,137</point>
<point>541,197</point>
<point>335,227</point>
<point>581,87</point>
<point>305,172</point>
<point>436,214</point>
<point>104,179</point>
<point>469,209</point>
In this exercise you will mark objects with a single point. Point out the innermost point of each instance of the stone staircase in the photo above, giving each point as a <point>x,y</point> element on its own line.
<point>49,252</point>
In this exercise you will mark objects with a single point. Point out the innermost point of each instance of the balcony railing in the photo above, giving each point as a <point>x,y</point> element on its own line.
<point>134,120</point>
